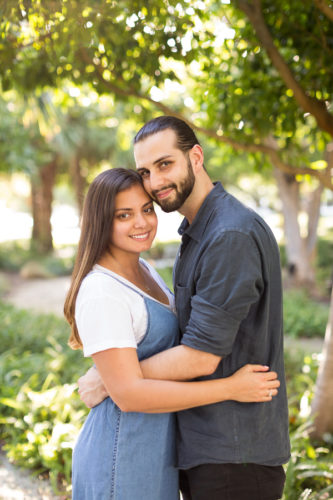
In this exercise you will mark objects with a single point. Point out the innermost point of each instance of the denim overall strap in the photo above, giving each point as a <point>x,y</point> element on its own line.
<point>130,455</point>
<point>119,281</point>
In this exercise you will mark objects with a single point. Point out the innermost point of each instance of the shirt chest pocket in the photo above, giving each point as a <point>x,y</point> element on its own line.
<point>183,295</point>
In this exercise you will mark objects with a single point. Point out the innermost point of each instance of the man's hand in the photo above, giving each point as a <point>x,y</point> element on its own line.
<point>91,388</point>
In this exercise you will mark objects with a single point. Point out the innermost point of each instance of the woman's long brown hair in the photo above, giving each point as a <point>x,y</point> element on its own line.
<point>97,219</point>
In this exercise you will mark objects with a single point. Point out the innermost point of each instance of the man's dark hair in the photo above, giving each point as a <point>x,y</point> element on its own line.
<point>186,138</point>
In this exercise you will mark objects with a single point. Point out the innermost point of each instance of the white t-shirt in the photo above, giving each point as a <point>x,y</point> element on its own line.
<point>109,314</point>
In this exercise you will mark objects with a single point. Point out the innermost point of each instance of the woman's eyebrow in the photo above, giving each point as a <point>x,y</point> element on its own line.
<point>119,209</point>
<point>130,209</point>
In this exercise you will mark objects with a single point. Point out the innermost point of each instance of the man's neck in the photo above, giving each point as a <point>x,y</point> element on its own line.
<point>202,187</point>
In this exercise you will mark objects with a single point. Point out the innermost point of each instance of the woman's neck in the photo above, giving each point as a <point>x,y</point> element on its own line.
<point>126,265</point>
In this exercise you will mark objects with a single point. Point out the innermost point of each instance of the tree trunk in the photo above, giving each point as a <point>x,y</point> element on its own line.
<point>42,197</point>
<point>300,249</point>
<point>79,182</point>
<point>322,405</point>
<point>313,211</point>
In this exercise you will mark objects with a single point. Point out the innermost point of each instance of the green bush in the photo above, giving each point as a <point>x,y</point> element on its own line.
<point>41,413</point>
<point>303,317</point>
<point>324,264</point>
<point>13,256</point>
<point>309,473</point>
<point>166,273</point>
<point>324,253</point>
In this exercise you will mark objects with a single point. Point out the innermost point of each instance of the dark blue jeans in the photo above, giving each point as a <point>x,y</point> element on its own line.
<point>232,482</point>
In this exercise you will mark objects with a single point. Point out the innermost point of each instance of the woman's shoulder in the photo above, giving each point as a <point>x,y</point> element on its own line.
<point>102,283</point>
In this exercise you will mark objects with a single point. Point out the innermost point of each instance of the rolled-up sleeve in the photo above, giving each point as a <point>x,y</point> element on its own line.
<point>228,281</point>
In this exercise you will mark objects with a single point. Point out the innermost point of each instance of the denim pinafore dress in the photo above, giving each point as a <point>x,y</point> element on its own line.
<point>130,456</point>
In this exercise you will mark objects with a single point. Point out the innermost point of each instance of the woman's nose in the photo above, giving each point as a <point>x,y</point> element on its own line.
<point>139,220</point>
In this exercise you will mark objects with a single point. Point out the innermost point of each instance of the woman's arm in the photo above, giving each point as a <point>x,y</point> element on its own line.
<point>123,379</point>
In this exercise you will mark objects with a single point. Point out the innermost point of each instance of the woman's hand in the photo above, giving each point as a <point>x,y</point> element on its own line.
<point>253,384</point>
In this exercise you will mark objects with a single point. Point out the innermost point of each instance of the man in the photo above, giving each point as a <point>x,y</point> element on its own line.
<point>228,296</point>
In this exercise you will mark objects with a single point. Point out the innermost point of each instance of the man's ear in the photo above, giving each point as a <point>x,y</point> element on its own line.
<point>197,158</point>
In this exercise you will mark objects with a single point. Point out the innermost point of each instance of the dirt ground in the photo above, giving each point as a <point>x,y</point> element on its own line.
<point>19,484</point>
<point>47,296</point>
<point>40,295</point>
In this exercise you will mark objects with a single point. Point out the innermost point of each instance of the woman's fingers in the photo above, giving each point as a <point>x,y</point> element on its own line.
<point>269,375</point>
<point>272,384</point>
<point>256,368</point>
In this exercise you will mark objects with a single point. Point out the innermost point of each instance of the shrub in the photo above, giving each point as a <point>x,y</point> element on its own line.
<point>14,255</point>
<point>303,317</point>
<point>309,473</point>
<point>41,413</point>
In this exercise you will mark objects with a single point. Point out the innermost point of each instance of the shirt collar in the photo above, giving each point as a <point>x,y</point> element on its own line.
<point>196,229</point>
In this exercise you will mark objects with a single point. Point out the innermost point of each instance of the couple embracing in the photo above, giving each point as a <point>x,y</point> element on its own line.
<point>188,390</point>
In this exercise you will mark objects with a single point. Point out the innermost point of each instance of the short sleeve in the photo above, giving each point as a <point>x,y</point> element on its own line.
<point>229,280</point>
<point>104,323</point>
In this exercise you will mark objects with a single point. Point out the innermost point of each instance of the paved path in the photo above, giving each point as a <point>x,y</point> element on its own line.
<point>19,484</point>
<point>40,295</point>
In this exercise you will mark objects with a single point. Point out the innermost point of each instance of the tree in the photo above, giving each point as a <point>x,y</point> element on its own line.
<point>45,134</point>
<point>316,103</point>
<point>264,89</point>
<point>236,95</point>
<point>23,148</point>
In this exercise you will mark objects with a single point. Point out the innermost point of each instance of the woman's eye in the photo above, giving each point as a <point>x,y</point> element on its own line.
<point>149,210</point>
<point>123,216</point>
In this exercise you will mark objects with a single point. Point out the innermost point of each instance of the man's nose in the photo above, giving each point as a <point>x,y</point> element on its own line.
<point>156,181</point>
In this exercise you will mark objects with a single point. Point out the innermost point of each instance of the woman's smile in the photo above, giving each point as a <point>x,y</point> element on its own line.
<point>141,237</point>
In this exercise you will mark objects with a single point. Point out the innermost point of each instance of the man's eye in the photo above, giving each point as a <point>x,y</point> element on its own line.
<point>144,173</point>
<point>165,164</point>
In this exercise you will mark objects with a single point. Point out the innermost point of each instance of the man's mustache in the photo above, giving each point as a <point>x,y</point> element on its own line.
<point>156,191</point>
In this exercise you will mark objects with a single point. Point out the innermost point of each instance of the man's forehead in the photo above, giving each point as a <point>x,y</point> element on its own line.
<point>156,146</point>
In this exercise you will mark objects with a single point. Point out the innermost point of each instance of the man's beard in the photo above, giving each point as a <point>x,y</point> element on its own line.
<point>182,192</point>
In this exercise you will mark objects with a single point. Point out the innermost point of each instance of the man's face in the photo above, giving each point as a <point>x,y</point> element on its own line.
<point>166,171</point>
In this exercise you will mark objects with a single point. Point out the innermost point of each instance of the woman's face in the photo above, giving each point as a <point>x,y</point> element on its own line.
<point>135,223</point>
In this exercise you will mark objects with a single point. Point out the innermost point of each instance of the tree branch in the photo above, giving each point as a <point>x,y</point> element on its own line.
<point>317,108</point>
<point>324,177</point>
<point>324,8</point>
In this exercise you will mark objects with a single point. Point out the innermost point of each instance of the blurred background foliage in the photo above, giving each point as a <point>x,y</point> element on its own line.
<point>78,79</point>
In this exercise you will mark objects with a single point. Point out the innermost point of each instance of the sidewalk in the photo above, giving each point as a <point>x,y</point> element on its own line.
<point>40,295</point>
<point>19,484</point>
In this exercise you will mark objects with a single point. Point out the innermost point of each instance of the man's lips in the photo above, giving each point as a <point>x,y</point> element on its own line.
<point>164,193</point>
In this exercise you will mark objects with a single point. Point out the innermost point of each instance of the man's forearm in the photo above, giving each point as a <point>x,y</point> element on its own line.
<point>179,363</point>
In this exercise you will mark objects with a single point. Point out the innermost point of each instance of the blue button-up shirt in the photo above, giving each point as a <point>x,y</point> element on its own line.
<point>227,282</point>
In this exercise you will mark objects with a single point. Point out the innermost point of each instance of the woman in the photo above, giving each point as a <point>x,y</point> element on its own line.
<point>121,312</point>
